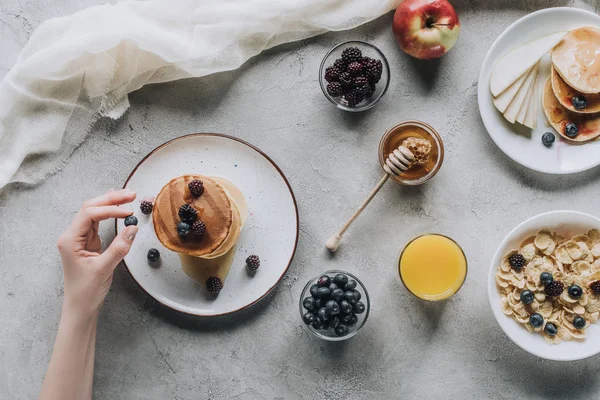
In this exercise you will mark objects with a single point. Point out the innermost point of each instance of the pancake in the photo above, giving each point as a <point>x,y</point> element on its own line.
<point>565,93</point>
<point>577,59</point>
<point>558,116</point>
<point>214,208</point>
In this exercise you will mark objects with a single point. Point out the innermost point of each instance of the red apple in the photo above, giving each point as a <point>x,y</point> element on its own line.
<point>426,28</point>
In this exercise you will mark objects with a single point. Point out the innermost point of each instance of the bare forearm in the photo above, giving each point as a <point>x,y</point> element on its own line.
<point>71,368</point>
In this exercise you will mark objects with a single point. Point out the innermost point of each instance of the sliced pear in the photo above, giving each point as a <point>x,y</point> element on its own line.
<point>532,110</point>
<point>523,111</point>
<point>513,108</point>
<point>515,63</point>
<point>503,100</point>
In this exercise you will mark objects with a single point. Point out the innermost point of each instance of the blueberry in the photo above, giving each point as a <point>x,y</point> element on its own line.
<point>550,329</point>
<point>131,220</point>
<point>353,320</point>
<point>546,278</point>
<point>153,255</point>
<point>332,286</point>
<point>183,229</point>
<point>320,303</point>
<point>308,318</point>
<point>357,294</point>
<point>333,308</point>
<point>575,291</point>
<point>323,281</point>
<point>340,280</point>
<point>347,317</point>
<point>351,297</point>
<point>313,290</point>
<point>346,307</point>
<point>527,296</point>
<point>536,320</point>
<point>323,314</point>
<point>350,285</point>
<point>579,322</point>
<point>319,323</point>
<point>359,307</point>
<point>334,322</point>
<point>341,330</point>
<point>571,130</point>
<point>337,294</point>
<point>579,102</point>
<point>548,138</point>
<point>309,303</point>
<point>323,292</point>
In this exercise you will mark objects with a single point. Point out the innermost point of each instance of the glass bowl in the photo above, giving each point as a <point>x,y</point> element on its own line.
<point>329,334</point>
<point>368,50</point>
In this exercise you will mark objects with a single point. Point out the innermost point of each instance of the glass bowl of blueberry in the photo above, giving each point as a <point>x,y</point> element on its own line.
<point>334,306</point>
<point>354,75</point>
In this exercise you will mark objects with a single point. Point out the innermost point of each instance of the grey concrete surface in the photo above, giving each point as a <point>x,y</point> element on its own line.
<point>408,350</point>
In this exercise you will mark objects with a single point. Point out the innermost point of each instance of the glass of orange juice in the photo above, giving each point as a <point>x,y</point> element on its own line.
<point>432,267</point>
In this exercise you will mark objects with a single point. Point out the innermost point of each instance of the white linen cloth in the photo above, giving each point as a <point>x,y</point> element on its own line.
<point>77,68</point>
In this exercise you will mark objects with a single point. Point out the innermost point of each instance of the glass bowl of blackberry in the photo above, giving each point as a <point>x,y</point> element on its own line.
<point>334,305</point>
<point>354,75</point>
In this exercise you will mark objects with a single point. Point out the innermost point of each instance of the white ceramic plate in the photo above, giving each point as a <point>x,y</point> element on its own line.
<point>518,142</point>
<point>271,231</point>
<point>568,224</point>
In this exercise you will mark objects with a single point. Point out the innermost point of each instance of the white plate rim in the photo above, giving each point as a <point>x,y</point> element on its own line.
<point>491,285</point>
<point>263,154</point>
<point>481,84</point>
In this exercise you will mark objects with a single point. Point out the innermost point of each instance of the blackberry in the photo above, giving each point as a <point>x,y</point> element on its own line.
<point>516,261</point>
<point>595,286</point>
<point>334,89</point>
<point>253,262</point>
<point>554,288</point>
<point>355,68</point>
<point>353,98</point>
<point>340,64</point>
<point>198,228</point>
<point>196,187</point>
<point>373,69</point>
<point>187,213</point>
<point>370,91</point>
<point>131,220</point>
<point>146,206</point>
<point>214,284</point>
<point>351,54</point>
<point>361,85</point>
<point>332,74</point>
<point>345,79</point>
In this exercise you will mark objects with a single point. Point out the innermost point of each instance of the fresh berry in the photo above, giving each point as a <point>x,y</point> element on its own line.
<point>333,286</point>
<point>309,303</point>
<point>313,290</point>
<point>355,68</point>
<point>334,322</point>
<point>550,329</point>
<point>318,324</point>
<point>527,296</point>
<point>183,229</point>
<point>361,85</point>
<point>351,284</point>
<point>187,213</point>
<point>214,284</point>
<point>323,292</point>
<point>595,286</point>
<point>146,207</point>
<point>371,91</point>
<point>153,255</point>
<point>332,307</point>
<point>340,280</point>
<point>571,130</point>
<point>575,291</point>
<point>353,320</point>
<point>346,79</point>
<point>579,322</point>
<point>340,64</point>
<point>359,307</point>
<point>347,317</point>
<point>332,74</point>
<point>323,314</point>
<point>196,187</point>
<point>516,261</point>
<point>351,54</point>
<point>351,297</point>
<point>579,102</point>
<point>341,330</point>
<point>337,294</point>
<point>546,278</point>
<point>131,220</point>
<point>548,138</point>
<point>323,281</point>
<point>353,98</point>
<point>554,288</point>
<point>334,89</point>
<point>198,228</point>
<point>320,302</point>
<point>346,307</point>
<point>308,318</point>
<point>536,320</point>
<point>357,294</point>
<point>253,262</point>
<point>373,69</point>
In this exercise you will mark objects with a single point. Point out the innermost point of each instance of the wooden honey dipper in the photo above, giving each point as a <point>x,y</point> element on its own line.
<point>397,161</point>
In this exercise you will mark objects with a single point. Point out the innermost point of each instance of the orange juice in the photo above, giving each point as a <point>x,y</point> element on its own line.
<point>432,267</point>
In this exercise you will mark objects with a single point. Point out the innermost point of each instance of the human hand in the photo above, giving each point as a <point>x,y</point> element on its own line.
<point>87,271</point>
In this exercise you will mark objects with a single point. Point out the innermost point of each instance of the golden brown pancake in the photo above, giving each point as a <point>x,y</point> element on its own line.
<point>577,59</point>
<point>558,116</point>
<point>214,209</point>
<point>565,93</point>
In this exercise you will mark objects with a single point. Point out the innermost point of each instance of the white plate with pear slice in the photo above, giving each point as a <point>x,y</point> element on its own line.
<point>519,48</point>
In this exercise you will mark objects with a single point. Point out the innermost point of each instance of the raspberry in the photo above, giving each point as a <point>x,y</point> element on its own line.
<point>214,284</point>
<point>554,288</point>
<point>198,228</point>
<point>187,213</point>
<point>332,74</point>
<point>196,187</point>
<point>334,89</point>
<point>355,68</point>
<point>595,286</point>
<point>516,261</point>
<point>146,206</point>
<point>253,262</point>
<point>351,54</point>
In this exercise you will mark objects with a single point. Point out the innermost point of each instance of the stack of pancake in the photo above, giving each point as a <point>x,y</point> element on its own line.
<point>575,76</point>
<point>223,210</point>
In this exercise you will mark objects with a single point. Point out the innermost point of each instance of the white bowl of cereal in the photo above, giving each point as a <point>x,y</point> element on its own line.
<point>564,246</point>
